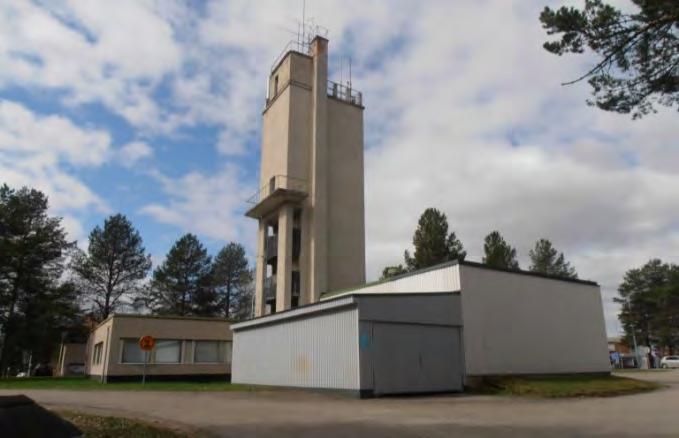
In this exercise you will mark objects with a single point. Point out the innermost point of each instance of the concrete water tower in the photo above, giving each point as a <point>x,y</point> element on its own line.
<point>310,208</point>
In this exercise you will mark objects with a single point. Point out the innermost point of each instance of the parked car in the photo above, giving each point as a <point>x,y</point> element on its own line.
<point>42,370</point>
<point>669,362</point>
<point>628,361</point>
<point>76,368</point>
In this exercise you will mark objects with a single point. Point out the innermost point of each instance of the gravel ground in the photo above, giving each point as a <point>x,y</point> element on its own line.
<point>304,414</point>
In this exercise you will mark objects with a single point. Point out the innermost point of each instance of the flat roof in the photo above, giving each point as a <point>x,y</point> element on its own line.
<point>142,316</point>
<point>463,263</point>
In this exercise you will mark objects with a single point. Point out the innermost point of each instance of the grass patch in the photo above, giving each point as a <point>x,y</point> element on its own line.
<point>98,426</point>
<point>84,383</point>
<point>565,386</point>
<point>637,370</point>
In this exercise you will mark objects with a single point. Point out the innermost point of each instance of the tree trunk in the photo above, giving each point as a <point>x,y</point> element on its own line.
<point>228,300</point>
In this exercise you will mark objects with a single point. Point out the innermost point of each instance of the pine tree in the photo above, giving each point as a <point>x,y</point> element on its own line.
<point>498,253</point>
<point>232,277</point>
<point>183,284</point>
<point>243,304</point>
<point>114,266</point>
<point>33,247</point>
<point>638,52</point>
<point>547,260</point>
<point>650,303</point>
<point>433,244</point>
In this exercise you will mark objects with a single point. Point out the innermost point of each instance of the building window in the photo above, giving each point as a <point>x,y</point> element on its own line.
<point>168,351</point>
<point>131,352</point>
<point>275,86</point>
<point>212,352</point>
<point>96,354</point>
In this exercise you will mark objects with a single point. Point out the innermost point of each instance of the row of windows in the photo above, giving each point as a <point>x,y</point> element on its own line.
<point>170,351</point>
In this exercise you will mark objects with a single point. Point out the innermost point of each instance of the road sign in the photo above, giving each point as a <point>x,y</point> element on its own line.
<point>146,343</point>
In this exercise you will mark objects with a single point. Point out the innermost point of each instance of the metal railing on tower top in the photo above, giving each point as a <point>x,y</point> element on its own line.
<point>294,46</point>
<point>306,32</point>
<point>345,93</point>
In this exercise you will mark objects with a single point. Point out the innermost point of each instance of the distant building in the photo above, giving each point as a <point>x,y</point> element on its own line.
<point>71,360</point>
<point>187,348</point>
<point>618,345</point>
<point>310,207</point>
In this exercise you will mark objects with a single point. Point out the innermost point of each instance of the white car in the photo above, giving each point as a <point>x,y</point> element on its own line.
<point>669,362</point>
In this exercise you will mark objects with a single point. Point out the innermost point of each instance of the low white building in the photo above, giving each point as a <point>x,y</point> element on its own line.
<point>428,331</point>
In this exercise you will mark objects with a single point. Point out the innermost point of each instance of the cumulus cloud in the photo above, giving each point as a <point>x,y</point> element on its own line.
<point>38,151</point>
<point>133,152</point>
<point>34,150</point>
<point>112,53</point>
<point>210,205</point>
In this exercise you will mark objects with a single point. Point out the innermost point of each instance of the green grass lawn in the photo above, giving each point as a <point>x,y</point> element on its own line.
<point>84,383</point>
<point>566,386</point>
<point>98,426</point>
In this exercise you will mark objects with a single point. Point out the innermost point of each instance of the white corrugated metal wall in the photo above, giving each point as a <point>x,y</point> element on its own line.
<point>320,351</point>
<point>444,279</point>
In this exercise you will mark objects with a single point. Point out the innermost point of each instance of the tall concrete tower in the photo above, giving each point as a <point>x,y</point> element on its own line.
<point>311,236</point>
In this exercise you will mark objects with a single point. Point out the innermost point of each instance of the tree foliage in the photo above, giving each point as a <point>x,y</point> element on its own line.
<point>650,303</point>
<point>232,278</point>
<point>392,271</point>
<point>433,244</point>
<point>638,52</point>
<point>114,265</point>
<point>183,284</point>
<point>34,305</point>
<point>547,260</point>
<point>243,304</point>
<point>498,253</point>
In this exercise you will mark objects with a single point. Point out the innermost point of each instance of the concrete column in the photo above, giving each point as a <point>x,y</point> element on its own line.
<point>304,257</point>
<point>284,274</point>
<point>260,271</point>
<point>319,171</point>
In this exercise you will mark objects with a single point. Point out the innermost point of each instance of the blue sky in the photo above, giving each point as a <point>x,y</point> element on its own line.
<point>153,109</point>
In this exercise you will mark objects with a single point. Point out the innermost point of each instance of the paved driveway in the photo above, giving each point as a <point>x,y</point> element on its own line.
<point>301,414</point>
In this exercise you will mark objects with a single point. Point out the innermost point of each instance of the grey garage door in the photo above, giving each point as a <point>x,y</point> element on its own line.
<point>413,358</point>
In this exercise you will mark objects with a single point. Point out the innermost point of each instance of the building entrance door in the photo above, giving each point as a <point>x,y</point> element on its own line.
<point>411,358</point>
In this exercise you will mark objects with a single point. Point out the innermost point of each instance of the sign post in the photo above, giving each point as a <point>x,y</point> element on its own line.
<point>146,344</point>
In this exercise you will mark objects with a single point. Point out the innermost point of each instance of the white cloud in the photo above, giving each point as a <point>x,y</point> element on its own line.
<point>133,152</point>
<point>40,151</point>
<point>209,205</point>
<point>34,148</point>
<point>51,137</point>
<point>113,53</point>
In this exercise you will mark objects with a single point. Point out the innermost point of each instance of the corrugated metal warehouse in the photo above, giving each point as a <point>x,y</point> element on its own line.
<point>428,331</point>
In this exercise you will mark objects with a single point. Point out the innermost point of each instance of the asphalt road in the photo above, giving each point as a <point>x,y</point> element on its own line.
<point>302,414</point>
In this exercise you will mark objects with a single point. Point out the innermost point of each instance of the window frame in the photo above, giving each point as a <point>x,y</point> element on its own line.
<point>122,352</point>
<point>97,353</point>
<point>220,352</point>
<point>153,357</point>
